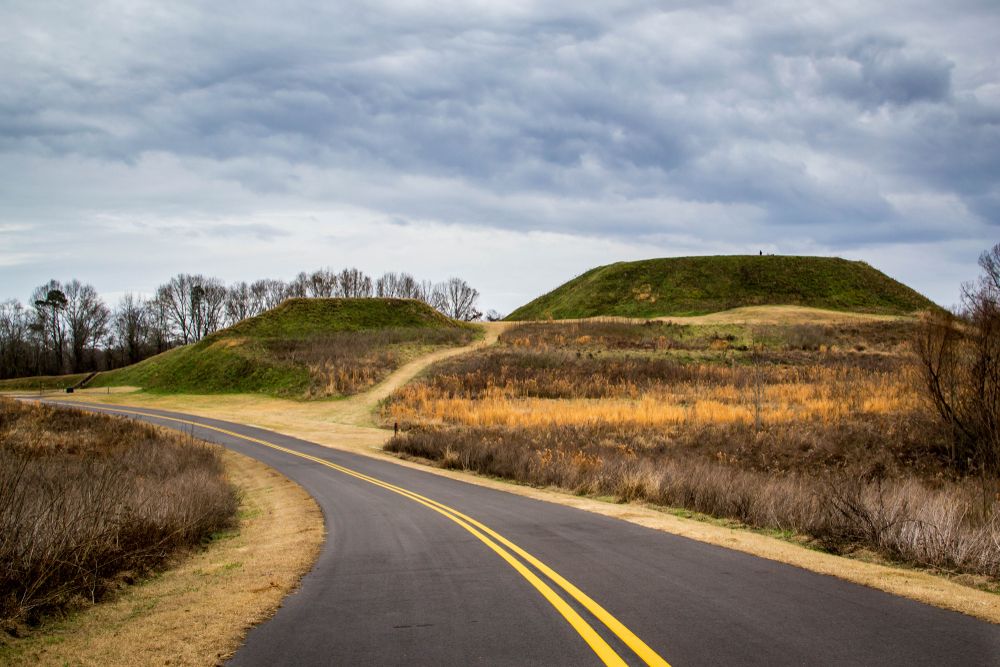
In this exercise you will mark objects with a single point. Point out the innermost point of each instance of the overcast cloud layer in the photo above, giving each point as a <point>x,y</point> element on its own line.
<point>513,144</point>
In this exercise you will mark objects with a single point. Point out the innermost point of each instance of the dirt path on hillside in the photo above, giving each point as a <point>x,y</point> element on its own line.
<point>762,315</point>
<point>358,409</point>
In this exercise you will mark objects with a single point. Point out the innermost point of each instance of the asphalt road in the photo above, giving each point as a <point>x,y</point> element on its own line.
<point>403,580</point>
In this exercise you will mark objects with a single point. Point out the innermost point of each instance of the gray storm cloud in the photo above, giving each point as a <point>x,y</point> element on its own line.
<point>831,128</point>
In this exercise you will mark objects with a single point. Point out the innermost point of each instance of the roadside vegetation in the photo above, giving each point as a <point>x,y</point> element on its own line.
<point>699,285</point>
<point>198,610</point>
<point>851,435</point>
<point>89,502</point>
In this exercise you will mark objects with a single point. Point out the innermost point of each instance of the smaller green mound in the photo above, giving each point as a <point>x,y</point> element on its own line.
<point>210,367</point>
<point>678,286</point>
<point>305,318</point>
<point>307,348</point>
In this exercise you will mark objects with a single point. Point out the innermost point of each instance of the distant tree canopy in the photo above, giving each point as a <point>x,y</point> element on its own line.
<point>67,327</point>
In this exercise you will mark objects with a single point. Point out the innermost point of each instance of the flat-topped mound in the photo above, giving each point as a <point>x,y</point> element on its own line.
<point>302,348</point>
<point>306,318</point>
<point>700,285</point>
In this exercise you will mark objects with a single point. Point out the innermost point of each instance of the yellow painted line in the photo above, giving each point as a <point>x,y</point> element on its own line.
<point>639,647</point>
<point>593,639</point>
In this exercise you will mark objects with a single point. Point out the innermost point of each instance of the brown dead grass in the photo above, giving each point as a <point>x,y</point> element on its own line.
<point>87,501</point>
<point>198,612</point>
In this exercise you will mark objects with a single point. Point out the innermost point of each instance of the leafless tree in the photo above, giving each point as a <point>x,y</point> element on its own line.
<point>86,317</point>
<point>174,298</point>
<point>299,287</point>
<point>353,284</point>
<point>424,291</point>
<point>159,326</point>
<point>268,293</point>
<point>493,315</point>
<point>208,306</point>
<point>389,286</point>
<point>194,305</point>
<point>960,365</point>
<point>456,299</point>
<point>323,283</point>
<point>242,302</point>
<point>407,286</point>
<point>16,354</point>
<point>131,327</point>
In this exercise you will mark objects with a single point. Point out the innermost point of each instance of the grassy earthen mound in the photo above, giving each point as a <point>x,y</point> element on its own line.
<point>304,348</point>
<point>678,286</point>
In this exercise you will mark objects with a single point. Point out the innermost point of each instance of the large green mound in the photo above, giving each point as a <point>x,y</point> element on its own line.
<point>281,351</point>
<point>700,285</point>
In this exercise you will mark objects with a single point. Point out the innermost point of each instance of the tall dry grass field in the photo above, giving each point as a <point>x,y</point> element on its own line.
<point>819,430</point>
<point>529,389</point>
<point>89,501</point>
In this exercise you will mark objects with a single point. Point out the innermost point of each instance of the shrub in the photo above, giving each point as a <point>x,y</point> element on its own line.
<point>86,500</point>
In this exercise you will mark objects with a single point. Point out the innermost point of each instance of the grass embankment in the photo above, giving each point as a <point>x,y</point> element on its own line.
<point>814,430</point>
<point>42,382</point>
<point>699,285</point>
<point>88,501</point>
<point>304,348</point>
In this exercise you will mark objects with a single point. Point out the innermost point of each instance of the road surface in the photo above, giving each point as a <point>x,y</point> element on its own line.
<point>420,569</point>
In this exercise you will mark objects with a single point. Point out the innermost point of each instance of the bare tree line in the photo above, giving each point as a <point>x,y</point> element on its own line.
<point>67,327</point>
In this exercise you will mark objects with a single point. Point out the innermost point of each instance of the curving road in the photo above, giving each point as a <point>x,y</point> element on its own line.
<point>420,569</point>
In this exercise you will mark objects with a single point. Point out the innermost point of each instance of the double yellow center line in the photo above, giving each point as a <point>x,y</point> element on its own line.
<point>498,543</point>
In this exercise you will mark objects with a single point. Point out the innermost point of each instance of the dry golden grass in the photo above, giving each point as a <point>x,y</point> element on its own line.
<point>726,395</point>
<point>198,612</point>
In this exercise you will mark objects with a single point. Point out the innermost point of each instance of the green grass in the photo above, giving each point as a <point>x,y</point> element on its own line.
<point>42,382</point>
<point>306,318</point>
<point>700,285</point>
<point>211,366</point>
<point>244,358</point>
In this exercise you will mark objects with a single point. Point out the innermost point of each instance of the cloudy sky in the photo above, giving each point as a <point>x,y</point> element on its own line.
<point>514,144</point>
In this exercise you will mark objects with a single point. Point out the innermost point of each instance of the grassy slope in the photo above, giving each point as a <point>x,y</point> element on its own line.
<point>236,359</point>
<point>700,285</point>
<point>41,382</point>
